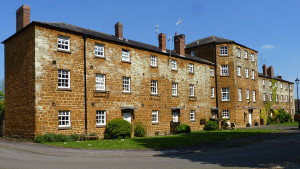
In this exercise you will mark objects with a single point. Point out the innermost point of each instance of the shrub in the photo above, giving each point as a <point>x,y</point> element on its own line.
<point>139,130</point>
<point>63,138</point>
<point>50,137</point>
<point>93,138</point>
<point>271,120</point>
<point>39,139</point>
<point>117,129</point>
<point>211,125</point>
<point>283,116</point>
<point>76,137</point>
<point>183,128</point>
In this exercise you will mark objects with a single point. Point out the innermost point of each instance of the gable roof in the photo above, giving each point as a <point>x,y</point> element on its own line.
<point>213,39</point>
<point>275,78</point>
<point>111,38</point>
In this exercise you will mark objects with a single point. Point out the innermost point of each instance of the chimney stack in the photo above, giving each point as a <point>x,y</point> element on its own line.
<point>179,44</point>
<point>162,42</point>
<point>23,17</point>
<point>264,67</point>
<point>119,30</point>
<point>271,72</point>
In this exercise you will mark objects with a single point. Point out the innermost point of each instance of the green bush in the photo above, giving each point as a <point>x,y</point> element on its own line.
<point>183,128</point>
<point>211,125</point>
<point>40,139</point>
<point>50,137</point>
<point>63,138</point>
<point>271,120</point>
<point>139,130</point>
<point>118,129</point>
<point>93,138</point>
<point>283,116</point>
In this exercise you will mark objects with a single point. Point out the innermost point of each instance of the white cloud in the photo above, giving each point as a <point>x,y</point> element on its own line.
<point>268,47</point>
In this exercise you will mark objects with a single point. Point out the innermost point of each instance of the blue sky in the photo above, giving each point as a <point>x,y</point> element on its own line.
<point>272,27</point>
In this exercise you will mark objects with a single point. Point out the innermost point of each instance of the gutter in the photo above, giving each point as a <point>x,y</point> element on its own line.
<point>84,36</point>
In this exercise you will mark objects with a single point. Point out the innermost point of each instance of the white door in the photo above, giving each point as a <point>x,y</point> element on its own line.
<point>250,118</point>
<point>127,116</point>
<point>175,116</point>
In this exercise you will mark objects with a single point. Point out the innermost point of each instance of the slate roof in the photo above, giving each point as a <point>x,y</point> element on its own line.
<point>111,38</point>
<point>275,78</point>
<point>213,39</point>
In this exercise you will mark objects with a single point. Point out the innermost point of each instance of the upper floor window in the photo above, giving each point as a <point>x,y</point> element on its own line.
<point>153,61</point>
<point>223,50</point>
<point>191,68</point>
<point>212,72</point>
<point>286,98</point>
<point>154,89</point>
<point>247,94</point>
<point>155,116</point>
<point>100,117</point>
<point>192,90</point>
<point>281,85</point>
<point>63,79</point>
<point>125,55</point>
<point>270,83</point>
<point>174,89</point>
<point>252,57</point>
<point>238,52</point>
<point>63,43</point>
<point>247,73</point>
<point>240,94</point>
<point>100,82</point>
<point>263,82</point>
<point>192,115</point>
<point>224,70</point>
<point>264,97</point>
<point>126,84</point>
<point>193,53</point>
<point>246,55</point>
<point>64,119</point>
<point>99,50</point>
<point>238,70</point>
<point>173,64</point>
<point>212,92</point>
<point>254,96</point>
<point>225,94</point>
<point>253,75</point>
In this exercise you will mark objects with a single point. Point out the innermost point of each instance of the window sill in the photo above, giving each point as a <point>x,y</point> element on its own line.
<point>191,73</point>
<point>127,92</point>
<point>124,61</point>
<point>101,126</point>
<point>64,89</point>
<point>101,91</point>
<point>155,95</point>
<point>175,96</point>
<point>225,100</point>
<point>193,121</point>
<point>64,51</point>
<point>212,97</point>
<point>176,70</point>
<point>100,57</point>
<point>224,55</point>
<point>155,123</point>
<point>153,66</point>
<point>224,75</point>
<point>64,128</point>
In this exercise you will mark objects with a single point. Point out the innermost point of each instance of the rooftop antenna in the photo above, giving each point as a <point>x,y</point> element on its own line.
<point>156,29</point>
<point>179,22</point>
<point>170,39</point>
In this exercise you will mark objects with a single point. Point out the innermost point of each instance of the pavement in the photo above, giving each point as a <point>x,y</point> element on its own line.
<point>71,152</point>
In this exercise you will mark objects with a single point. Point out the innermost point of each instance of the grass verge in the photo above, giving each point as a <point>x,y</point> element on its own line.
<point>294,123</point>
<point>159,142</point>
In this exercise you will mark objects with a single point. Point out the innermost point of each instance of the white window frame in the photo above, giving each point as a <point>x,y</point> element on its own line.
<point>154,87</point>
<point>154,116</point>
<point>193,53</point>
<point>281,85</point>
<point>246,55</point>
<point>126,84</point>
<point>246,73</point>
<point>174,89</point>
<point>63,79</point>
<point>240,98</point>
<point>174,64</point>
<point>225,93</point>
<point>212,72</point>
<point>238,69</point>
<point>247,94</point>
<point>153,61</point>
<point>252,57</point>
<point>192,90</point>
<point>224,70</point>
<point>100,82</point>
<point>125,55</point>
<point>270,83</point>
<point>263,82</point>
<point>270,97</point>
<point>253,96</point>
<point>101,117</point>
<point>238,52</point>
<point>64,118</point>
<point>192,115</point>
<point>63,43</point>
<point>99,50</point>
<point>212,92</point>
<point>253,75</point>
<point>264,97</point>
<point>225,114</point>
<point>191,68</point>
<point>223,50</point>
<point>286,98</point>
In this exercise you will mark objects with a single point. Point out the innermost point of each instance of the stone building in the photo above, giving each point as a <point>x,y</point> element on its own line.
<point>66,79</point>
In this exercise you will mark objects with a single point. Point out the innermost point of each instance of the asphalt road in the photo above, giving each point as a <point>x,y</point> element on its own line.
<point>272,151</point>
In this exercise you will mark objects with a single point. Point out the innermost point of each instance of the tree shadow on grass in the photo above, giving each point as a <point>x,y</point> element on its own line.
<point>259,151</point>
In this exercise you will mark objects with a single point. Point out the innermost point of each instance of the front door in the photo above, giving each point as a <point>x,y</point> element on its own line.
<point>175,116</point>
<point>250,116</point>
<point>127,115</point>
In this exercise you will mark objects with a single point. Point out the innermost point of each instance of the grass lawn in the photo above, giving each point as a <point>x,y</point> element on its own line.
<point>164,141</point>
<point>294,123</point>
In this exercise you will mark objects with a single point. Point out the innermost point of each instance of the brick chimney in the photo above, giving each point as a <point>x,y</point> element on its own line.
<point>23,17</point>
<point>271,72</point>
<point>162,42</point>
<point>179,44</point>
<point>264,67</point>
<point>119,30</point>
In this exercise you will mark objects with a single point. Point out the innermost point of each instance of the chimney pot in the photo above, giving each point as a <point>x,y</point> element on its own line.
<point>119,30</point>
<point>179,44</point>
<point>162,42</point>
<point>264,67</point>
<point>271,72</point>
<point>22,17</point>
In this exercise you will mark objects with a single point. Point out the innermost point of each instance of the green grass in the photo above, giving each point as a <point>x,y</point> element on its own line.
<point>164,141</point>
<point>294,123</point>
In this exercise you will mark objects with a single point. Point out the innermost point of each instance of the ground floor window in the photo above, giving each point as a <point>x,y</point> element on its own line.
<point>154,116</point>
<point>225,114</point>
<point>192,115</point>
<point>100,117</point>
<point>64,119</point>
